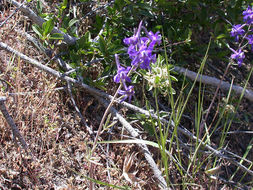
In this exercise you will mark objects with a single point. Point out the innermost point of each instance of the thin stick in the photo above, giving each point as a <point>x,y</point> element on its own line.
<point>77,109</point>
<point>14,12</point>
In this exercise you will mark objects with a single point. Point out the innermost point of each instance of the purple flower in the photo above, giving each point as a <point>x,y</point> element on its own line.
<point>248,15</point>
<point>144,40</point>
<point>128,92</point>
<point>122,72</point>
<point>134,39</point>
<point>155,38</point>
<point>238,55</point>
<point>140,48</point>
<point>132,52</point>
<point>237,30</point>
<point>146,57</point>
<point>143,56</point>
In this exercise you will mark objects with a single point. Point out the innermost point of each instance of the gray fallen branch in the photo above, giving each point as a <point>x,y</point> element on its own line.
<point>215,82</point>
<point>100,93</point>
<point>14,128</point>
<point>39,21</point>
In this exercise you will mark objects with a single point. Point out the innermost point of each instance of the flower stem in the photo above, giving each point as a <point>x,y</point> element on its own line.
<point>104,117</point>
<point>106,112</point>
<point>214,97</point>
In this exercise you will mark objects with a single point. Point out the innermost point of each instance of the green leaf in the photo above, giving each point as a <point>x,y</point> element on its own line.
<point>39,7</point>
<point>134,78</point>
<point>73,30</point>
<point>72,22</point>
<point>37,30</point>
<point>149,129</point>
<point>173,78</point>
<point>64,4</point>
<point>63,30</point>
<point>85,41</point>
<point>157,79</point>
<point>47,27</point>
<point>102,45</point>
<point>99,84</point>
<point>74,57</point>
<point>220,36</point>
<point>56,36</point>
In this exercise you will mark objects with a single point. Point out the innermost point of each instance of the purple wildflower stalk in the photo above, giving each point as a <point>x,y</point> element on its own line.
<point>238,31</point>
<point>140,52</point>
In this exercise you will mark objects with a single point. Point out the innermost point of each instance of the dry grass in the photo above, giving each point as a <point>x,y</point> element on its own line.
<point>51,127</point>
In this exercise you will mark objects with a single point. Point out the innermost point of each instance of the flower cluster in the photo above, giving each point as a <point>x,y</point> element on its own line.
<point>238,31</point>
<point>140,52</point>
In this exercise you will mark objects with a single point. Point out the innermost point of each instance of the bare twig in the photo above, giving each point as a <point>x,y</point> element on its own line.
<point>240,132</point>
<point>232,183</point>
<point>30,93</point>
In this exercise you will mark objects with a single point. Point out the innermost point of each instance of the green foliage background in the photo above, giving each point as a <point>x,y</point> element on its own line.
<point>187,26</point>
